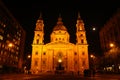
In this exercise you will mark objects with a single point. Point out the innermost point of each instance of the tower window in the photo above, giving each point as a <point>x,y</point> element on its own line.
<point>38,35</point>
<point>36,53</point>
<point>81,35</point>
<point>75,53</point>
<point>56,39</point>
<point>44,53</point>
<point>82,41</point>
<point>37,41</point>
<point>83,53</point>
<point>44,62</point>
<point>59,31</point>
<point>75,62</point>
<point>36,63</point>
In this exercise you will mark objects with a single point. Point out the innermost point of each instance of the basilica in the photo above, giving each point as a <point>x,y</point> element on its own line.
<point>59,54</point>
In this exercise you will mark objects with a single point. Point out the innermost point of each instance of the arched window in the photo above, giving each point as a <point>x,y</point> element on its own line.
<point>37,41</point>
<point>82,41</point>
<point>75,53</point>
<point>83,53</point>
<point>44,53</point>
<point>36,53</point>
<point>60,55</point>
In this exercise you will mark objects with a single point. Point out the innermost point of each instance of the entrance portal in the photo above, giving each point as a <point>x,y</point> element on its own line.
<point>59,66</point>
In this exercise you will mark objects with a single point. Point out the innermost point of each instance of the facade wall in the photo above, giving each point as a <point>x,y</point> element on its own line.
<point>59,54</point>
<point>12,38</point>
<point>110,32</point>
<point>110,43</point>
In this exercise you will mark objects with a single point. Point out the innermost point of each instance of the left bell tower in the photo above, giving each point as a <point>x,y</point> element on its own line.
<point>37,47</point>
<point>39,31</point>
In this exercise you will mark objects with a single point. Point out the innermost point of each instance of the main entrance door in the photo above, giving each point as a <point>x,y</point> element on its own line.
<point>59,65</point>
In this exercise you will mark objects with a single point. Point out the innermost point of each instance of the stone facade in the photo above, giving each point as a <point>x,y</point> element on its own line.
<point>59,54</point>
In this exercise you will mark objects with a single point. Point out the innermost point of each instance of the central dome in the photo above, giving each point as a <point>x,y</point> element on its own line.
<point>59,25</point>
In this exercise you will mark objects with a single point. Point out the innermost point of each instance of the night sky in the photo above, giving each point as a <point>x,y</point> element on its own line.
<point>94,13</point>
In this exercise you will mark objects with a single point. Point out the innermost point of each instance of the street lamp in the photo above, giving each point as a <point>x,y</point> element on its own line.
<point>93,62</point>
<point>10,45</point>
<point>93,28</point>
<point>112,45</point>
<point>59,60</point>
<point>29,56</point>
<point>92,56</point>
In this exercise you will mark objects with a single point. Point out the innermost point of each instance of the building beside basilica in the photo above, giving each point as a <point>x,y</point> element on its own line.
<point>59,54</point>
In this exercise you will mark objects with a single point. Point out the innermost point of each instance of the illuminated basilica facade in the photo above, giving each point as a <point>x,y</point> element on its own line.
<point>59,54</point>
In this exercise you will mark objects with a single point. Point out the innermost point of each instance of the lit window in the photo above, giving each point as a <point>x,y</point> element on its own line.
<point>8,35</point>
<point>1,37</point>
<point>2,45</point>
<point>1,31</point>
<point>1,52</point>
<point>4,25</point>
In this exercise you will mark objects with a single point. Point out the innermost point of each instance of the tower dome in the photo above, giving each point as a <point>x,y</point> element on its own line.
<point>59,25</point>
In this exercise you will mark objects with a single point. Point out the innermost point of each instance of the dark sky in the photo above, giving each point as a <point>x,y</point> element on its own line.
<point>93,12</point>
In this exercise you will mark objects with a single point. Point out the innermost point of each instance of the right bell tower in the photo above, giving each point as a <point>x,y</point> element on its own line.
<point>81,46</point>
<point>80,32</point>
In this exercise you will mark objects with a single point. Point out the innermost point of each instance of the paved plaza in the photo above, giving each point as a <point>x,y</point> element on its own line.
<point>58,77</point>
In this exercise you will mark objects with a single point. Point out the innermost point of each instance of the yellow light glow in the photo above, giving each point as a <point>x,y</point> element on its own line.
<point>91,56</point>
<point>59,60</point>
<point>94,29</point>
<point>29,56</point>
<point>10,45</point>
<point>111,45</point>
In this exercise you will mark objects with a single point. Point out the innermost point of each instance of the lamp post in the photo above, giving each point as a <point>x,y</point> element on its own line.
<point>92,59</point>
<point>114,52</point>
<point>28,62</point>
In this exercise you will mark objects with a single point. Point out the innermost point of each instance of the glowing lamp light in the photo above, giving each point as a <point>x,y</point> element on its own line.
<point>59,60</point>
<point>10,45</point>
<point>29,56</point>
<point>91,56</point>
<point>111,45</point>
<point>94,29</point>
